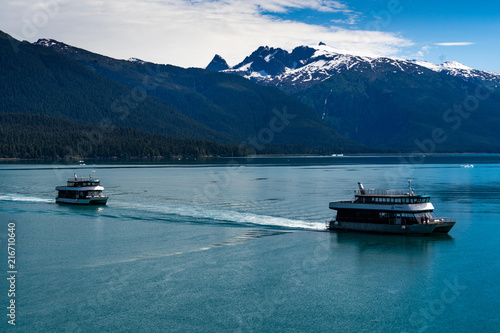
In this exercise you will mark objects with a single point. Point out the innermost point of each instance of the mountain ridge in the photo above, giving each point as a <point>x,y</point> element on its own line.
<point>309,65</point>
<point>310,100</point>
<point>384,102</point>
<point>35,79</point>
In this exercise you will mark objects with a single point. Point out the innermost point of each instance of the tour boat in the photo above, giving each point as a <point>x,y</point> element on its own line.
<point>389,211</point>
<point>82,191</point>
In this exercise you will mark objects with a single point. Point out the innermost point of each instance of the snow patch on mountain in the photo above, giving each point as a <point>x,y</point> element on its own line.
<point>136,60</point>
<point>429,65</point>
<point>51,43</point>
<point>454,65</point>
<point>455,68</point>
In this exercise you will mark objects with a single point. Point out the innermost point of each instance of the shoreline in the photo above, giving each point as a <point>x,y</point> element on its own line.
<point>184,158</point>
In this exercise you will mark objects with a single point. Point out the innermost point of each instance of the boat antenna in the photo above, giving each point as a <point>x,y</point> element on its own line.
<point>409,187</point>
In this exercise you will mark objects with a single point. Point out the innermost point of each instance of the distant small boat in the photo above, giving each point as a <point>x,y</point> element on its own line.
<point>81,191</point>
<point>389,211</point>
<point>467,166</point>
<point>337,155</point>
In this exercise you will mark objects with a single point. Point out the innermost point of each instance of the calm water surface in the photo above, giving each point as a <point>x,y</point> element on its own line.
<point>241,246</point>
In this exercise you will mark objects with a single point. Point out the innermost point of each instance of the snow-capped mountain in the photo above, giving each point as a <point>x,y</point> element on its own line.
<point>306,66</point>
<point>381,101</point>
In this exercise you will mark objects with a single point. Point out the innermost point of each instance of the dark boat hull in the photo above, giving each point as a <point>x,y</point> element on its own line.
<point>417,229</point>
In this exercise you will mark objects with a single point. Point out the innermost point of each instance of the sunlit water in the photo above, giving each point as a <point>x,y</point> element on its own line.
<point>241,246</point>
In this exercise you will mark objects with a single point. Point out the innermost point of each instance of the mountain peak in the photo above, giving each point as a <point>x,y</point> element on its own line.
<point>53,44</point>
<point>454,65</point>
<point>4,35</point>
<point>47,42</point>
<point>217,64</point>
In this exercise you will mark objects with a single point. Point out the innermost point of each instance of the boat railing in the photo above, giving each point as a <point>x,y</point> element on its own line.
<point>83,179</point>
<point>442,219</point>
<point>381,192</point>
<point>100,195</point>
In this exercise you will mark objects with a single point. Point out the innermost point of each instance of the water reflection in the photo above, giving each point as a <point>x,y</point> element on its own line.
<point>366,241</point>
<point>391,247</point>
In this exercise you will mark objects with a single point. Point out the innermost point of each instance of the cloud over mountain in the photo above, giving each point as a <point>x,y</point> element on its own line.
<point>188,33</point>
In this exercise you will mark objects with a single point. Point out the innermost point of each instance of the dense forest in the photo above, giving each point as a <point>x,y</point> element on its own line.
<point>33,136</point>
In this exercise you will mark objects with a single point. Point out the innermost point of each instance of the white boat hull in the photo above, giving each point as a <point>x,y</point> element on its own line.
<point>83,201</point>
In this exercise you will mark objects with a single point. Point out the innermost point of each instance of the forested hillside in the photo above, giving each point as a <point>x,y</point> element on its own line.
<point>401,109</point>
<point>36,80</point>
<point>38,136</point>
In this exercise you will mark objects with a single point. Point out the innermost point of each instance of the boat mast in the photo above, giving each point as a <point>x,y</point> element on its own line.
<point>361,188</point>
<point>409,187</point>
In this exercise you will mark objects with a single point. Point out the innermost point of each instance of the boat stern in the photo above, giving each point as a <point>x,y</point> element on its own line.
<point>443,227</point>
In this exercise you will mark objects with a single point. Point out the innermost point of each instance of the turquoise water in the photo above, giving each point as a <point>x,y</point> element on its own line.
<point>240,246</point>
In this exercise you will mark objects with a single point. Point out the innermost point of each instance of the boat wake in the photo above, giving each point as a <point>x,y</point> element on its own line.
<point>233,217</point>
<point>204,214</point>
<point>24,198</point>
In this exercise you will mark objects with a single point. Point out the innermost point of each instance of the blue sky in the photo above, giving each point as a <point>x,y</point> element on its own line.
<point>463,31</point>
<point>189,32</point>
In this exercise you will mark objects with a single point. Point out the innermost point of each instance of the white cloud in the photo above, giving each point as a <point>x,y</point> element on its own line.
<point>352,18</point>
<point>190,32</point>
<point>422,53</point>
<point>454,44</point>
<point>426,48</point>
